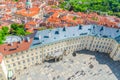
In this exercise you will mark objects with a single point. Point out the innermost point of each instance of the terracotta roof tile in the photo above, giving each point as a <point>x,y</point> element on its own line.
<point>7,49</point>
<point>32,12</point>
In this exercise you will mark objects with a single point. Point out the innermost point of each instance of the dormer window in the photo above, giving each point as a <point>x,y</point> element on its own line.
<point>56,32</point>
<point>117,30</point>
<point>101,29</point>
<point>80,27</point>
<point>64,29</point>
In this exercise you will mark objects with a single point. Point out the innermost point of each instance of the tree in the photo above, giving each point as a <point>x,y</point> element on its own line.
<point>20,31</point>
<point>2,36</point>
<point>111,7</point>
<point>21,26</point>
<point>74,18</point>
<point>14,26</point>
<point>5,30</point>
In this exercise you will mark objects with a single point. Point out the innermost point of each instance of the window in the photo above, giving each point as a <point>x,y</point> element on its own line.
<point>22,56</point>
<point>41,56</point>
<point>18,63</point>
<point>105,47</point>
<point>26,50</point>
<point>96,46</point>
<point>47,49</point>
<point>11,55</point>
<point>16,53</point>
<point>99,46</point>
<point>27,55</point>
<point>32,58</point>
<point>36,57</point>
<point>17,58</point>
<point>14,64</point>
<point>28,60</point>
<point>23,61</point>
<point>21,51</point>
<point>7,61</point>
<point>12,59</point>
<point>9,66</point>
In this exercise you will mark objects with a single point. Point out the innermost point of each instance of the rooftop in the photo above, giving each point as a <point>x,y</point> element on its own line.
<point>38,38</point>
<point>54,35</point>
<point>13,47</point>
<point>30,13</point>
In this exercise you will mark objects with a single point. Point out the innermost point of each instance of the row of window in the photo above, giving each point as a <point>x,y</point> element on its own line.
<point>70,47</point>
<point>25,61</point>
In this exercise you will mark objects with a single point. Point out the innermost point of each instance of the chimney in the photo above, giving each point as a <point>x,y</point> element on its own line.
<point>20,41</point>
<point>40,37</point>
<point>11,44</point>
<point>50,35</point>
<point>28,39</point>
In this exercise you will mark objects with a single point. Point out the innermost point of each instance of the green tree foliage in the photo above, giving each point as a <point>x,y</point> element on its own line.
<point>3,32</point>
<point>18,29</point>
<point>74,18</point>
<point>14,26</point>
<point>16,0</point>
<point>111,7</point>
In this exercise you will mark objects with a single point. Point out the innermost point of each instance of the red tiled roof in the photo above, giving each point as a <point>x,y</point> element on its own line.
<point>30,26</point>
<point>31,23</point>
<point>32,12</point>
<point>7,49</point>
<point>30,30</point>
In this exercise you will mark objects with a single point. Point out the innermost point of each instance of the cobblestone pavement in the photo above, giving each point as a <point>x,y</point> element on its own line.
<point>86,65</point>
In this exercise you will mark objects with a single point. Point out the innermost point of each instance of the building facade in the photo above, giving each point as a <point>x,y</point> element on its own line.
<point>64,40</point>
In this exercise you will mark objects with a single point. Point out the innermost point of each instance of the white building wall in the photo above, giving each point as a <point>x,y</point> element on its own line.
<point>2,74</point>
<point>3,71</point>
<point>116,55</point>
<point>25,59</point>
<point>114,48</point>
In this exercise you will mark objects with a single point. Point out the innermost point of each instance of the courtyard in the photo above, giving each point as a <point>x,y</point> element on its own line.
<point>86,65</point>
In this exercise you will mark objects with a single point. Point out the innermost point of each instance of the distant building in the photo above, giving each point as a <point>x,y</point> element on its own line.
<point>28,4</point>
